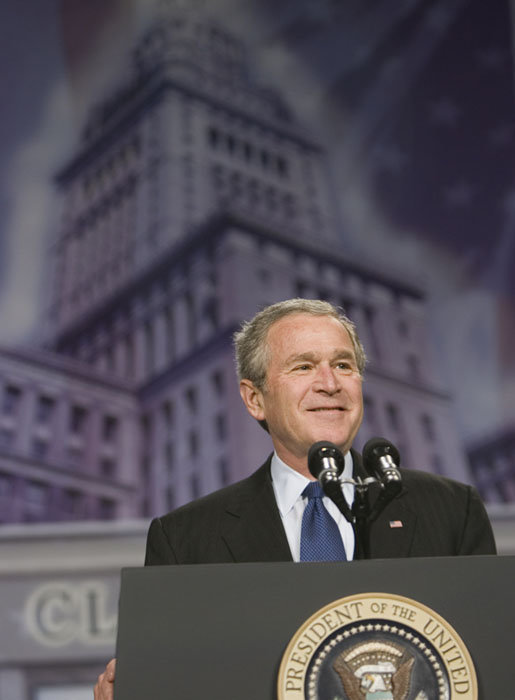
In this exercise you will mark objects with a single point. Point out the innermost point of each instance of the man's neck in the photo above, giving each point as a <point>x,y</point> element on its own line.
<point>298,464</point>
<point>301,465</point>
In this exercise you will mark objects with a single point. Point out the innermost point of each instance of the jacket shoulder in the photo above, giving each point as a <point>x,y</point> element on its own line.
<point>197,531</point>
<point>449,512</point>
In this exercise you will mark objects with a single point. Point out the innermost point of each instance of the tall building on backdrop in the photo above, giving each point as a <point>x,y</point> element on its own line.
<point>193,198</point>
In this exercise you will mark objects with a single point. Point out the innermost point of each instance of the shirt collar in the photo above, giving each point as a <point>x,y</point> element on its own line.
<point>288,483</point>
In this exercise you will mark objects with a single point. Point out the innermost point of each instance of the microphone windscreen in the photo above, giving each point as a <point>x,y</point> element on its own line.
<point>376,448</point>
<point>324,450</point>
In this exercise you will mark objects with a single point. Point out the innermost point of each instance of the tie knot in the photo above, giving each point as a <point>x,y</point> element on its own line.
<point>313,490</point>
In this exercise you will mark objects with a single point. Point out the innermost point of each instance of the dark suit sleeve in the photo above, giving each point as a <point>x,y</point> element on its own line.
<point>159,549</point>
<point>477,535</point>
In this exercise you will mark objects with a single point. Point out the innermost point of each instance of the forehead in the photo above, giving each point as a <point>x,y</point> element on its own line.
<point>303,332</point>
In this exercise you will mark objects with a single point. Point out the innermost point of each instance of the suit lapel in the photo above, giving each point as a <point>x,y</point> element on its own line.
<point>391,534</point>
<point>252,527</point>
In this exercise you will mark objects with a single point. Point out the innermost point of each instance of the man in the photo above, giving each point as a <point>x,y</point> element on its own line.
<point>300,366</point>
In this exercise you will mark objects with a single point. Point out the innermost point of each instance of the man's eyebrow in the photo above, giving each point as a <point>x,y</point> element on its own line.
<point>346,354</point>
<point>299,357</point>
<point>342,354</point>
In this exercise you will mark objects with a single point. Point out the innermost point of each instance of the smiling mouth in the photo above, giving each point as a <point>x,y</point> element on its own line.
<point>327,408</point>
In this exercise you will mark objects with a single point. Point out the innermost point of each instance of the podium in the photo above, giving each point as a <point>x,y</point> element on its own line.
<point>219,631</point>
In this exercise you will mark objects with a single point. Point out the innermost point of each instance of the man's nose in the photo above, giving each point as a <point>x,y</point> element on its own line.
<point>326,380</point>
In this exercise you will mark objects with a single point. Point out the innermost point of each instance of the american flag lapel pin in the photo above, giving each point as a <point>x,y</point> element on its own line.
<point>395,523</point>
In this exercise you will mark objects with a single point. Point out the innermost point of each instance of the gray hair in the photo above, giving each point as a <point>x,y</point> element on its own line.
<point>251,340</point>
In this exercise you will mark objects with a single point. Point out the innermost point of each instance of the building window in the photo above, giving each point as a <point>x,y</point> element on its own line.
<point>39,448</point>
<point>12,396</point>
<point>109,429</point>
<point>428,427</point>
<point>392,415</point>
<point>169,333</point>
<point>223,471</point>
<point>282,166</point>
<point>36,493</point>
<point>403,329</point>
<point>75,457</point>
<point>45,410</point>
<point>369,412</point>
<point>212,136</point>
<point>289,205</point>
<point>507,487</point>
<point>218,382</point>
<point>413,363</point>
<point>371,322</point>
<point>193,443</point>
<point>194,486</point>
<point>347,306</point>
<point>6,439</point>
<point>264,276</point>
<point>248,151</point>
<point>108,467</point>
<point>191,319</point>
<point>149,347</point>
<point>145,467</point>
<point>167,412</point>
<point>109,359</point>
<point>301,289</point>
<point>220,427</point>
<point>169,456</point>
<point>211,313</point>
<point>6,485</point>
<point>78,419</point>
<point>129,356</point>
<point>71,502</point>
<point>191,399</point>
<point>147,430</point>
<point>106,509</point>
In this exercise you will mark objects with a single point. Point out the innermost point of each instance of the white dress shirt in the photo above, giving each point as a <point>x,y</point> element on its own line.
<point>288,487</point>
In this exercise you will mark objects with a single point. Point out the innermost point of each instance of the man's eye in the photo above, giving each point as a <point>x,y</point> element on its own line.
<point>345,366</point>
<point>303,367</point>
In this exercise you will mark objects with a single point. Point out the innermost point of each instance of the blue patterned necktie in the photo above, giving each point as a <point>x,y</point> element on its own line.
<point>320,538</point>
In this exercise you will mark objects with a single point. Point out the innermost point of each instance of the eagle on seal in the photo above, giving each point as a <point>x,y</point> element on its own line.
<point>375,671</point>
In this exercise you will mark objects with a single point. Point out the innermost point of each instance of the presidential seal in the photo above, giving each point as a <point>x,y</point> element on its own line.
<point>376,646</point>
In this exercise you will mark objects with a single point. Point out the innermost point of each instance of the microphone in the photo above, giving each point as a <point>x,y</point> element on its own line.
<point>326,463</point>
<point>381,459</point>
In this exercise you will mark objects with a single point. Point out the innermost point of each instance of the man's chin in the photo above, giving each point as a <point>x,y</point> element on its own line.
<point>342,443</point>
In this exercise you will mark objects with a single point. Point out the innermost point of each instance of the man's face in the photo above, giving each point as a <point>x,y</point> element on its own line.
<point>312,390</point>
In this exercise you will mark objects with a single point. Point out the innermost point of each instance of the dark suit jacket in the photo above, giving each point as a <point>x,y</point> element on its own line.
<point>242,523</point>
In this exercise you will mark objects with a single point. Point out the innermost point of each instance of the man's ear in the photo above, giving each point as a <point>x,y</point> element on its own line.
<point>252,398</point>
